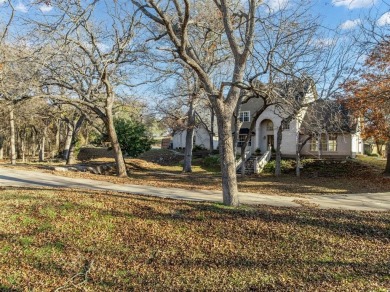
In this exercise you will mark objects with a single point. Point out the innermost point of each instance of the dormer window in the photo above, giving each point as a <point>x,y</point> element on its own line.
<point>245,116</point>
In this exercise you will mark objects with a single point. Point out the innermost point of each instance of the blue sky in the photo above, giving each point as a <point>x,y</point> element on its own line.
<point>349,13</point>
<point>334,11</point>
<point>346,14</point>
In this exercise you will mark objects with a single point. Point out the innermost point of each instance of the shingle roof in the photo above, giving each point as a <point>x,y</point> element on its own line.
<point>328,116</point>
<point>297,88</point>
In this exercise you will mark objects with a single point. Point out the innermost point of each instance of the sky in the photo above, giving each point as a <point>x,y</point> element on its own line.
<point>347,13</point>
<point>344,14</point>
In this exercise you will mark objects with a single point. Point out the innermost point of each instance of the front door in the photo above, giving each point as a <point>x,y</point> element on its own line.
<point>270,141</point>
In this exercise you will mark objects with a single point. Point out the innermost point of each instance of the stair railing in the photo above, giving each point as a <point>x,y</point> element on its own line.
<point>261,161</point>
<point>240,161</point>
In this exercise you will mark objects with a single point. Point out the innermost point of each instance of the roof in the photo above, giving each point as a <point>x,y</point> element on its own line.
<point>296,88</point>
<point>325,115</point>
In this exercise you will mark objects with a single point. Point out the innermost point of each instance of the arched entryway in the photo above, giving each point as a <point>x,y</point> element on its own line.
<point>267,135</point>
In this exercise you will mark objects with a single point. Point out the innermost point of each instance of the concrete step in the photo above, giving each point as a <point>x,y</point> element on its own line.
<point>249,166</point>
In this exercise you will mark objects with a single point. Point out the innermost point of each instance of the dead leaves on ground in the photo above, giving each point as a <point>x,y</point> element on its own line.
<point>48,237</point>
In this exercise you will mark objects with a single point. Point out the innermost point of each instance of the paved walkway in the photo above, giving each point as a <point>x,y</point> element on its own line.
<point>367,202</point>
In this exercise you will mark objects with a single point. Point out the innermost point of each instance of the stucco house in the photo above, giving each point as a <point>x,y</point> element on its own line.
<point>324,127</point>
<point>201,138</point>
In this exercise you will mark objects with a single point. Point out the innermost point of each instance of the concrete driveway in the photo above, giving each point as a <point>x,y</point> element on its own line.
<point>364,202</point>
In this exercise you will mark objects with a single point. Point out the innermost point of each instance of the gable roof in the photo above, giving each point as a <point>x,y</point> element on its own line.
<point>331,116</point>
<point>297,89</point>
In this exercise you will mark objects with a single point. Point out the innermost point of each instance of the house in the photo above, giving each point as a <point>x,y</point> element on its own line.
<point>201,138</point>
<point>330,131</point>
<point>322,128</point>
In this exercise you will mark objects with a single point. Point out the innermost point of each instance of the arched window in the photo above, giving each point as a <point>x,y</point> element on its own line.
<point>270,126</point>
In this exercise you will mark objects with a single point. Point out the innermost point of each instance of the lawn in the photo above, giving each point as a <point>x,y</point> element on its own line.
<point>91,241</point>
<point>377,162</point>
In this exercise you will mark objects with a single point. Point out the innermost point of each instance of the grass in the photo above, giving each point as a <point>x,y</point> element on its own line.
<point>114,242</point>
<point>376,162</point>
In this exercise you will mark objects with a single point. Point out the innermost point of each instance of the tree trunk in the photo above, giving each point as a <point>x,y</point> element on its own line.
<point>23,147</point>
<point>379,148</point>
<point>278,158</point>
<point>237,126</point>
<point>298,156</point>
<point>12,138</point>
<point>387,168</point>
<point>228,163</point>
<point>56,150</point>
<point>41,153</point>
<point>187,167</point>
<point>243,158</point>
<point>212,115</point>
<point>18,148</point>
<point>42,146</point>
<point>86,136</point>
<point>68,141</point>
<point>119,160</point>
<point>76,129</point>
<point>33,143</point>
<point>319,146</point>
<point>1,147</point>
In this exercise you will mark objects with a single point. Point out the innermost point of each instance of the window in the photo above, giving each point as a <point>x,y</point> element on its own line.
<point>286,126</point>
<point>245,116</point>
<point>323,143</point>
<point>270,126</point>
<point>327,143</point>
<point>241,140</point>
<point>332,143</point>
<point>314,144</point>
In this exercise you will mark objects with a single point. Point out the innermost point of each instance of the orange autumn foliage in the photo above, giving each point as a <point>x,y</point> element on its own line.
<point>368,96</point>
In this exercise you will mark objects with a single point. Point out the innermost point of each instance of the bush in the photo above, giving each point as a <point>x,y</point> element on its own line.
<point>133,137</point>
<point>198,148</point>
<point>308,161</point>
<point>285,165</point>
<point>212,161</point>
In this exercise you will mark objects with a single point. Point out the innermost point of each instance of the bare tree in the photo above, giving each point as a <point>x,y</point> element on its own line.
<point>8,9</point>
<point>304,62</point>
<point>90,60</point>
<point>175,20</point>
<point>18,82</point>
<point>184,96</point>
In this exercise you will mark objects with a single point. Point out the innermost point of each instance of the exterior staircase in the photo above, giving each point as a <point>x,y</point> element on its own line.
<point>249,166</point>
<point>254,164</point>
